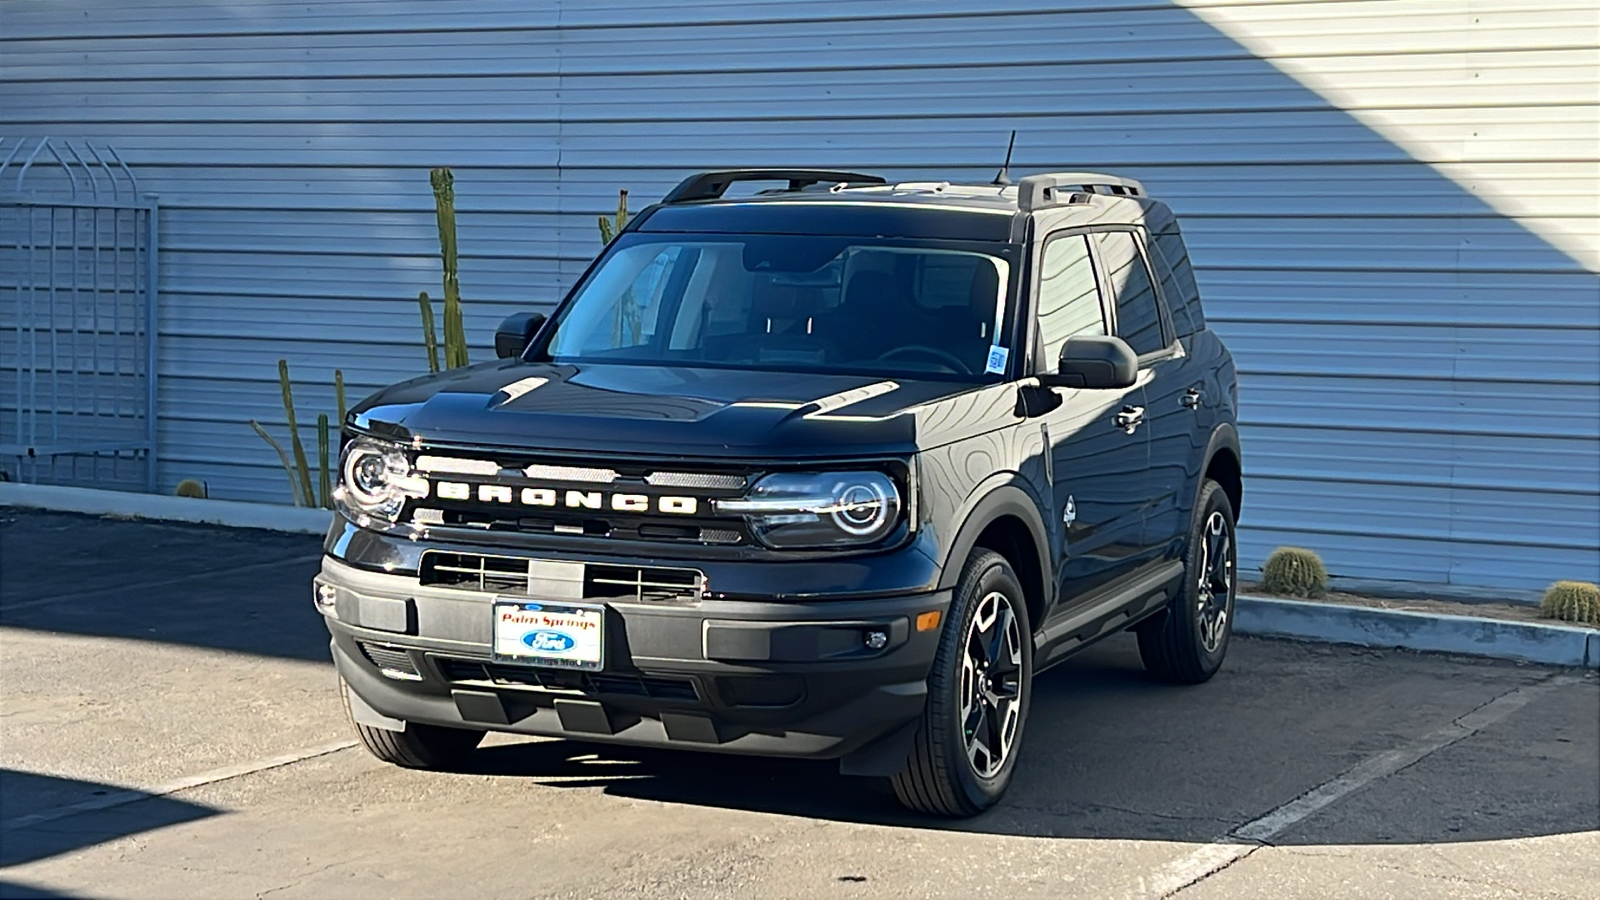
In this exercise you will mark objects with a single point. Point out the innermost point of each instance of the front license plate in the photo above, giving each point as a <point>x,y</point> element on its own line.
<point>549,634</point>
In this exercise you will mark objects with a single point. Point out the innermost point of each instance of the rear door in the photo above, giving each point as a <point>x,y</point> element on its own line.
<point>1164,372</point>
<point>1096,466</point>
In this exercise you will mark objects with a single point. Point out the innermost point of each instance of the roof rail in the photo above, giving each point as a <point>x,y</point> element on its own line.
<point>1043,191</point>
<point>711,185</point>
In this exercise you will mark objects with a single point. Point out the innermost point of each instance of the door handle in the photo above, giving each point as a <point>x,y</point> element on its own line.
<point>1129,418</point>
<point>1192,398</point>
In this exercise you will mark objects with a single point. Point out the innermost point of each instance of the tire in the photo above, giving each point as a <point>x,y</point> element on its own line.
<point>1186,643</point>
<point>419,746</point>
<point>946,774</point>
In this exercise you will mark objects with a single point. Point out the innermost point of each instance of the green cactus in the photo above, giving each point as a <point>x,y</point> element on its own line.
<point>444,201</point>
<point>338,393</point>
<point>609,229</point>
<point>1572,601</point>
<point>324,483</point>
<point>430,336</point>
<point>283,460</point>
<point>299,471</point>
<point>628,323</point>
<point>307,498</point>
<point>1294,572</point>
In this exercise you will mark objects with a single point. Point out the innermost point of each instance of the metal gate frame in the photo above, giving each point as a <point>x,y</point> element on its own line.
<point>41,430</point>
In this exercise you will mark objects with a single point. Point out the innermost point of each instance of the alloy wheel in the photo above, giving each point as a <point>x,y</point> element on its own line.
<point>991,684</point>
<point>1215,585</point>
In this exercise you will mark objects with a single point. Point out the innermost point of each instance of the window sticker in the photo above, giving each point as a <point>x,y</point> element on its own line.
<point>997,361</point>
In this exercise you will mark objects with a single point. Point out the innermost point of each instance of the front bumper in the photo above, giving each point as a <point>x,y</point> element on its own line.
<point>739,676</point>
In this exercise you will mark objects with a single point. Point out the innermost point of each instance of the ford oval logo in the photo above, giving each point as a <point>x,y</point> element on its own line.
<point>549,641</point>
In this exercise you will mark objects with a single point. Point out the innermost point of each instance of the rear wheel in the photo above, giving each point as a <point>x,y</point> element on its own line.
<point>966,748</point>
<point>1186,643</point>
<point>419,746</point>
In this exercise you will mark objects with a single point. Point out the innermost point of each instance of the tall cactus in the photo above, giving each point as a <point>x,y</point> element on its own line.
<point>307,497</point>
<point>430,336</point>
<point>609,229</point>
<point>299,471</point>
<point>444,202</point>
<point>625,327</point>
<point>324,482</point>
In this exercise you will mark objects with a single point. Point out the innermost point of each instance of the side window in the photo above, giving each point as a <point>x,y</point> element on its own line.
<point>1177,282</point>
<point>1138,316</point>
<point>1069,297</point>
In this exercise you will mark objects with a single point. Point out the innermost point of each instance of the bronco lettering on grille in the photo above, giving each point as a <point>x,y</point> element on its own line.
<point>570,499</point>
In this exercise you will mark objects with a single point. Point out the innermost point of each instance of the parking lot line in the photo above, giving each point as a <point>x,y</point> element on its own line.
<point>1245,839</point>
<point>124,797</point>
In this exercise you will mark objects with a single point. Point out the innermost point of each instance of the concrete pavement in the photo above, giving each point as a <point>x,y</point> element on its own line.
<point>183,664</point>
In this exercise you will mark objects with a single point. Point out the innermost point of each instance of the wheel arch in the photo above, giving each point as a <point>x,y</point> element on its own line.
<point>1007,520</point>
<point>1223,464</point>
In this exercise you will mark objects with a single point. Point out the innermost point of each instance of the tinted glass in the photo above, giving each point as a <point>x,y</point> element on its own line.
<point>1138,316</point>
<point>1176,275</point>
<point>1069,298</point>
<point>789,303</point>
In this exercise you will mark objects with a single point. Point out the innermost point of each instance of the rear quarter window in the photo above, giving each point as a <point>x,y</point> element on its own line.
<point>1171,260</point>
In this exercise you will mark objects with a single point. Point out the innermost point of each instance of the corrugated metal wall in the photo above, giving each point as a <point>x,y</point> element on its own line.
<point>1392,205</point>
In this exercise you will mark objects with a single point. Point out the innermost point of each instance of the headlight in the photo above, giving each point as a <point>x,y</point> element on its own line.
<point>819,509</point>
<point>375,478</point>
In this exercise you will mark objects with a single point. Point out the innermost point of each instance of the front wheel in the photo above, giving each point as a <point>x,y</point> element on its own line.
<point>966,748</point>
<point>419,746</point>
<point>1186,643</point>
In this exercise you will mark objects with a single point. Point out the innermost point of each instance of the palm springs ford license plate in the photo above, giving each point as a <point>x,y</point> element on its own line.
<point>550,634</point>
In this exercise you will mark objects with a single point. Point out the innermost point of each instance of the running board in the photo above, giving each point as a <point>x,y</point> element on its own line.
<point>1118,608</point>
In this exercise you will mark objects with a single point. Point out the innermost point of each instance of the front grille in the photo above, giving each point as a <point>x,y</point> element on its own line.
<point>392,662</point>
<point>643,584</point>
<point>595,683</point>
<point>518,575</point>
<point>490,491</point>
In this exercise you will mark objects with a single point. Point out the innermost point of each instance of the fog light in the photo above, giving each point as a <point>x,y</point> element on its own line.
<point>877,640</point>
<point>325,597</point>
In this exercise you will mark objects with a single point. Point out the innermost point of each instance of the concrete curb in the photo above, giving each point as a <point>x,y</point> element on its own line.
<point>1555,645</point>
<point>231,513</point>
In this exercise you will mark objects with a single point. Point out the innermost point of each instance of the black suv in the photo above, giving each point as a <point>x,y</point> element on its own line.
<point>829,470</point>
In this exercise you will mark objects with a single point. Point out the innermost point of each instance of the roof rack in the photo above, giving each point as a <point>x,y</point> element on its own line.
<point>1043,191</point>
<point>711,185</point>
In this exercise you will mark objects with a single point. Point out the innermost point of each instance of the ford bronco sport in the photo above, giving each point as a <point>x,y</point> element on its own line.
<point>831,470</point>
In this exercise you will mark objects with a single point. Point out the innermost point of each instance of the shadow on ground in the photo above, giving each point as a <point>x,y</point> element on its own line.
<point>235,589</point>
<point>1109,753</point>
<point>24,793</point>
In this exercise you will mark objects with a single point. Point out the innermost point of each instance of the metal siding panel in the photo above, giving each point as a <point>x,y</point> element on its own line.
<point>1390,206</point>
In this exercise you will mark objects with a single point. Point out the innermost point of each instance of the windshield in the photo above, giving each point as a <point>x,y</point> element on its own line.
<point>799,303</point>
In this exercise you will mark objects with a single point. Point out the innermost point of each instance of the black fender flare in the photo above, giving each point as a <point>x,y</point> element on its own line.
<point>1224,437</point>
<point>993,502</point>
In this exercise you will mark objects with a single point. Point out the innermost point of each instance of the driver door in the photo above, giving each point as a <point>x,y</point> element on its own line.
<point>1097,463</point>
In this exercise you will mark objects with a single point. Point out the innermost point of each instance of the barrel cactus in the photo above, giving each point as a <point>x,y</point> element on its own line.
<point>1572,601</point>
<point>1294,572</point>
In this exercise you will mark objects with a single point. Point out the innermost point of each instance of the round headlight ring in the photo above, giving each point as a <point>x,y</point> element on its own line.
<point>861,508</point>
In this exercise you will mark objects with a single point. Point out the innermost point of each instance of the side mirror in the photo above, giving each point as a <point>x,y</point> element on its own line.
<point>1094,361</point>
<point>516,333</point>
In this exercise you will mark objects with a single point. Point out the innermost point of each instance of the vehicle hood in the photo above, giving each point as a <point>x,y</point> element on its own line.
<point>618,410</point>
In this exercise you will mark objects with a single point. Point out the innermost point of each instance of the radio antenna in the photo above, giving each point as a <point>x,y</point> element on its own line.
<point>1002,177</point>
